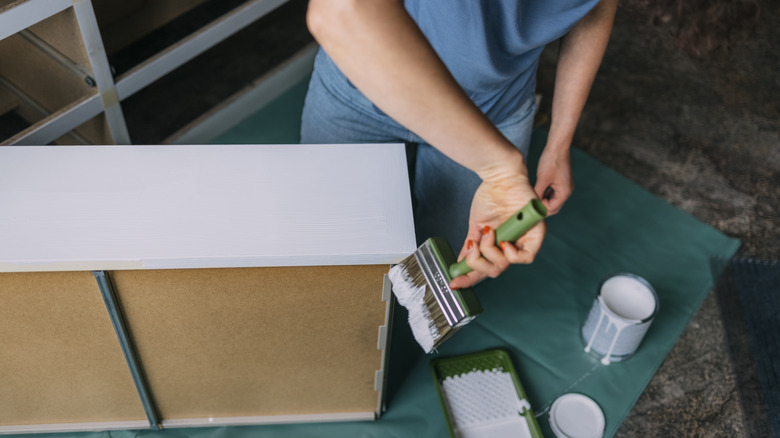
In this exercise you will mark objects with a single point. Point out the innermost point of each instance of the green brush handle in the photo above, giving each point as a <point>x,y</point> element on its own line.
<point>509,231</point>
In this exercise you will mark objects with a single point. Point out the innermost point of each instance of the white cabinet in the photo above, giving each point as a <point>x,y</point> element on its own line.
<point>202,285</point>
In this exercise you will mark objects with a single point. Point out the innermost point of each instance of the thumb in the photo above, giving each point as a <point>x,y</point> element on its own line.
<point>549,198</point>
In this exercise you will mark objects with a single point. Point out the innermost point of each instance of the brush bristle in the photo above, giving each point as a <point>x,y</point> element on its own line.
<point>429,326</point>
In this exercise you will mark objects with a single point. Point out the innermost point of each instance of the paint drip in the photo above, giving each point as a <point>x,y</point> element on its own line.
<point>620,316</point>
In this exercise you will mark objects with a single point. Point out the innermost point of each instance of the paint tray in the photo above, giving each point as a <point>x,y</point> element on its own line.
<point>482,397</point>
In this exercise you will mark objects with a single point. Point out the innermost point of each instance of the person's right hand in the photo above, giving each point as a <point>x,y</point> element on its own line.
<point>500,196</point>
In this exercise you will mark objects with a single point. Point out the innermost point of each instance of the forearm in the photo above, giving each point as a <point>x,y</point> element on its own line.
<point>580,54</point>
<point>393,65</point>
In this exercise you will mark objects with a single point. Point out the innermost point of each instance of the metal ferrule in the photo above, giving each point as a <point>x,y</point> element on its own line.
<point>437,280</point>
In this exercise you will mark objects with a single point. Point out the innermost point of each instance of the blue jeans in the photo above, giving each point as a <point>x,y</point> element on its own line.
<point>336,112</point>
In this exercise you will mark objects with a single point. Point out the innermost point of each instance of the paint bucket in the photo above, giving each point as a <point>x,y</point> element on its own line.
<point>624,307</point>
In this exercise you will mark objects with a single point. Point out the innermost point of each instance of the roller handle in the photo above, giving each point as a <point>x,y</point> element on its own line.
<point>509,231</point>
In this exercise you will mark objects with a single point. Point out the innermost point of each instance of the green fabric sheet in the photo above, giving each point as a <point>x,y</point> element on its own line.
<point>279,122</point>
<point>535,312</point>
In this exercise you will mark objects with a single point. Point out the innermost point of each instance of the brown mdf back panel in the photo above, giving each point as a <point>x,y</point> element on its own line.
<point>62,32</point>
<point>38,75</point>
<point>256,341</point>
<point>60,361</point>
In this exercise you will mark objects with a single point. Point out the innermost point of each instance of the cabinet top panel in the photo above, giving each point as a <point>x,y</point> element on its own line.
<point>165,207</point>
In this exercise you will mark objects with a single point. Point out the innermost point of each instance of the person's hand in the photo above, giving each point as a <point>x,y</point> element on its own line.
<point>554,183</point>
<point>495,200</point>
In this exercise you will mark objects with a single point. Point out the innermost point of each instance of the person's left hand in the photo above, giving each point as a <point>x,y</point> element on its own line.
<point>554,182</point>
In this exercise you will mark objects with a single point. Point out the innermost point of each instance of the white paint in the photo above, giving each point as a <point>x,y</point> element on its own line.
<point>412,297</point>
<point>589,346</point>
<point>613,322</point>
<point>485,404</point>
<point>117,207</point>
<point>628,297</point>
<point>576,416</point>
<point>618,324</point>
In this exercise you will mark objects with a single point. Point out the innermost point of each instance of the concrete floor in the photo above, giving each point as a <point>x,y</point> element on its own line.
<point>702,134</point>
<point>705,136</point>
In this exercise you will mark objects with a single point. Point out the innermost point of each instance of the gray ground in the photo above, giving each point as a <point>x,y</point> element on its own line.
<point>705,136</point>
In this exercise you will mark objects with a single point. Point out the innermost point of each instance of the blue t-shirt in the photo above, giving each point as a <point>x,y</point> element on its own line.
<point>492,47</point>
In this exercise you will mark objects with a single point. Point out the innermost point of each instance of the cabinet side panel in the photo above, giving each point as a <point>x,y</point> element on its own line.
<point>60,361</point>
<point>256,341</point>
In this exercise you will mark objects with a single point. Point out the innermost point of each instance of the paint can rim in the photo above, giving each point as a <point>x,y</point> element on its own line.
<point>640,280</point>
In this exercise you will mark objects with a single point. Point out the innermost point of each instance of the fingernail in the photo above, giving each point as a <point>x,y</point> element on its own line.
<point>469,244</point>
<point>486,231</point>
<point>502,244</point>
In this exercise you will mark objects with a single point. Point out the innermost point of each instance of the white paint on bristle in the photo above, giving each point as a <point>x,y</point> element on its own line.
<point>412,297</point>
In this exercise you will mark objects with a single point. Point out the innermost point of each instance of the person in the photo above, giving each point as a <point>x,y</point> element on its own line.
<point>457,77</point>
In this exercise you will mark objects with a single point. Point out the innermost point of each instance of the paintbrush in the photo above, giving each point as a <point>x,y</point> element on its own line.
<point>421,282</point>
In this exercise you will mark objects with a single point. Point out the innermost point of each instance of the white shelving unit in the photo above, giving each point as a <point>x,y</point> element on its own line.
<point>55,74</point>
